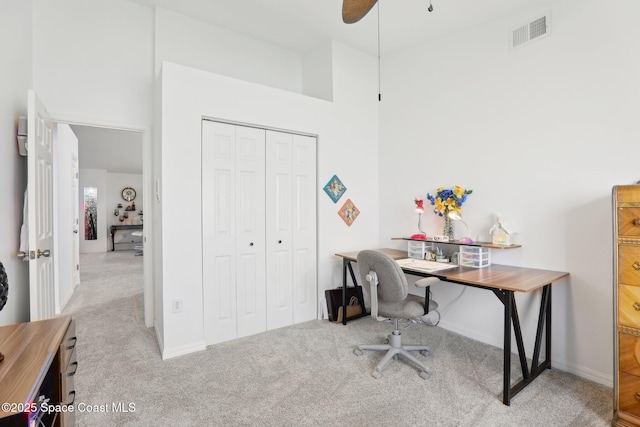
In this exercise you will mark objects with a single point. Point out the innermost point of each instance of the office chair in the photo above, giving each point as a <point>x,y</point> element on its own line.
<point>386,286</point>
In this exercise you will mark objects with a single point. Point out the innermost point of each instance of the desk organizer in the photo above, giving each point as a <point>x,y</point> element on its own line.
<point>418,249</point>
<point>475,256</point>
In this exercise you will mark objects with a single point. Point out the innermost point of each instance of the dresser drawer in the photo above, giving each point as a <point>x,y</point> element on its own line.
<point>629,222</point>
<point>629,306</point>
<point>629,353</point>
<point>67,378</point>
<point>629,397</point>
<point>68,346</point>
<point>629,264</point>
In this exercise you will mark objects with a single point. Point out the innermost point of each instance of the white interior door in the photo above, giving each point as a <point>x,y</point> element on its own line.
<point>305,287</point>
<point>250,238</point>
<point>40,209</point>
<point>219,231</point>
<point>75,222</point>
<point>233,203</point>
<point>279,229</point>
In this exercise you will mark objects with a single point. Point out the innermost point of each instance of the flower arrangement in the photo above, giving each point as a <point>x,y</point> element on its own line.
<point>448,200</point>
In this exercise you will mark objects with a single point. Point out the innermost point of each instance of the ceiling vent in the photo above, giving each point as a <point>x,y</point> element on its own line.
<point>535,29</point>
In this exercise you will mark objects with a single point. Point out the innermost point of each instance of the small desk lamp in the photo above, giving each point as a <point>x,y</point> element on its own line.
<point>466,240</point>
<point>420,210</point>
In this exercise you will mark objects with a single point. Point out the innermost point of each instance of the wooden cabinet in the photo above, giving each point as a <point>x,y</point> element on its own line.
<point>626,247</point>
<point>40,363</point>
<point>259,230</point>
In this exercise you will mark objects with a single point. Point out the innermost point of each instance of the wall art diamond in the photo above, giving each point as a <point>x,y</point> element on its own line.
<point>348,212</point>
<point>335,188</point>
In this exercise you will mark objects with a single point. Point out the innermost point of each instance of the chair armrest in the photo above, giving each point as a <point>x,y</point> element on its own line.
<point>427,281</point>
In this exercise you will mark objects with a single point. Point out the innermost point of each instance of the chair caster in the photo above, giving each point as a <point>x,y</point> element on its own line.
<point>396,357</point>
<point>375,374</point>
<point>357,352</point>
<point>425,353</point>
<point>424,375</point>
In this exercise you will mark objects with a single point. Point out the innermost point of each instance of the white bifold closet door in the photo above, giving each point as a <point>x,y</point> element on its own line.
<point>233,208</point>
<point>259,230</point>
<point>291,229</point>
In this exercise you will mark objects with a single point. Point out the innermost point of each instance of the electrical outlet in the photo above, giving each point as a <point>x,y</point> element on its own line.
<point>177,305</point>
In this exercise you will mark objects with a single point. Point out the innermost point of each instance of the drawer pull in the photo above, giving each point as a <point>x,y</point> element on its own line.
<point>72,394</point>
<point>636,265</point>
<point>636,222</point>
<point>75,364</point>
<point>75,339</point>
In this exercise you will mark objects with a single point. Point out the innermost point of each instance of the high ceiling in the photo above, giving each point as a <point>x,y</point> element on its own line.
<point>304,24</point>
<point>112,150</point>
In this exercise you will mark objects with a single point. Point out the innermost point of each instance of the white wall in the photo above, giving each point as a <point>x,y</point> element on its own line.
<point>15,75</point>
<point>187,96</point>
<point>188,41</point>
<point>94,178</point>
<point>93,60</point>
<point>541,134</point>
<point>64,148</point>
<point>116,182</point>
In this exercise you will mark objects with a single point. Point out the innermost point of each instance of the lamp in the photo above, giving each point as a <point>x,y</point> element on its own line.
<point>466,240</point>
<point>420,210</point>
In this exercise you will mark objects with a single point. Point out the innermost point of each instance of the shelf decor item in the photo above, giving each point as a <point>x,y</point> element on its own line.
<point>448,201</point>
<point>335,188</point>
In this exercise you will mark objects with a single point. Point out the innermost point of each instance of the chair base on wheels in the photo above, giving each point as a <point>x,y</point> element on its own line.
<point>394,349</point>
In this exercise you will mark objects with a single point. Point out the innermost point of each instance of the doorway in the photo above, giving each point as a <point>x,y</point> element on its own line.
<point>108,160</point>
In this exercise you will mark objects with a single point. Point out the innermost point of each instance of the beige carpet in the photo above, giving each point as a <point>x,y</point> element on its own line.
<point>303,375</point>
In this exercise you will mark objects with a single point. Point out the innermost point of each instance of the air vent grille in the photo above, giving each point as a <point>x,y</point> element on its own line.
<point>532,30</point>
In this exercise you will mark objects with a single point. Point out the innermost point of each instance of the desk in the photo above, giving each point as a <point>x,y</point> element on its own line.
<point>503,281</point>
<point>114,229</point>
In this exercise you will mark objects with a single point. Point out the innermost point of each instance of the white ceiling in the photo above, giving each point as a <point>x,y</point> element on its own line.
<point>304,24</point>
<point>113,150</point>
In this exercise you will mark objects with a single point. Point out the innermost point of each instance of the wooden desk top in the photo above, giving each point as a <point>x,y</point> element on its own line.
<point>495,276</point>
<point>29,349</point>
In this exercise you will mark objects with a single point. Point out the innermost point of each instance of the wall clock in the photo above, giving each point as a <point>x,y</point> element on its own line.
<point>128,194</point>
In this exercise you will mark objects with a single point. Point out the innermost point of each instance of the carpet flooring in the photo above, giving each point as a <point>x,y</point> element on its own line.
<point>302,375</point>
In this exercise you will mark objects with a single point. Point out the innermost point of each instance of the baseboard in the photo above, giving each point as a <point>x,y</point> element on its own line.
<point>582,372</point>
<point>169,353</point>
<point>159,338</point>
<point>562,365</point>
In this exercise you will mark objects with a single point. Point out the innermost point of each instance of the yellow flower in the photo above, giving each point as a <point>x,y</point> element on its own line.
<point>439,205</point>
<point>459,191</point>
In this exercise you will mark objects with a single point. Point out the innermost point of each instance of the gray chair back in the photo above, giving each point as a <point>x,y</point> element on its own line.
<point>392,285</point>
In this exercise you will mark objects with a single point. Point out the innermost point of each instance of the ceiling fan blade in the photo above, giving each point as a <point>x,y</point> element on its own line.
<point>354,10</point>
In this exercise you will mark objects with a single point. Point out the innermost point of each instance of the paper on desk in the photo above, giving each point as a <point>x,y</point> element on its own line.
<point>423,264</point>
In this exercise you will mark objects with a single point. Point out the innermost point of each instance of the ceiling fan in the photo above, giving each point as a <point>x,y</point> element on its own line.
<point>354,10</point>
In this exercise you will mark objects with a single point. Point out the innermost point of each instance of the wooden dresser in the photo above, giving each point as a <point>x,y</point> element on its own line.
<point>40,360</point>
<point>626,297</point>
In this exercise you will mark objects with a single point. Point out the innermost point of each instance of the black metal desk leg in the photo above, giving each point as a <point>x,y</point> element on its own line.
<point>506,376</point>
<point>345,265</point>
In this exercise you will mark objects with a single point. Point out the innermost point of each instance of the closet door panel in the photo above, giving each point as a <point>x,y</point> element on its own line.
<point>250,230</point>
<point>279,229</point>
<point>305,291</point>
<point>219,235</point>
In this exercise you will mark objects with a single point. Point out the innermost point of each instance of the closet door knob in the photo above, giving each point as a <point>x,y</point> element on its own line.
<point>279,241</point>
<point>251,244</point>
